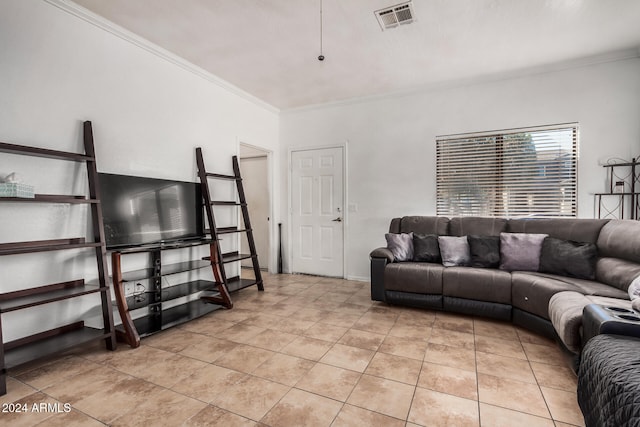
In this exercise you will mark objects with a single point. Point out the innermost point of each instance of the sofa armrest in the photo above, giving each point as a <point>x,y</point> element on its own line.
<point>378,265</point>
<point>382,253</point>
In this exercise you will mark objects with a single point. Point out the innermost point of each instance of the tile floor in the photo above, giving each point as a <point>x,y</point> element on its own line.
<point>309,351</point>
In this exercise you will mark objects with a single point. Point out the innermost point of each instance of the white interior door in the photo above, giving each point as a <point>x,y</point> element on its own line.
<point>317,199</point>
<point>255,180</point>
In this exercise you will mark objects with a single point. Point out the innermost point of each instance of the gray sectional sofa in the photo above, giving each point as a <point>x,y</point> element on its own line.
<point>522,297</point>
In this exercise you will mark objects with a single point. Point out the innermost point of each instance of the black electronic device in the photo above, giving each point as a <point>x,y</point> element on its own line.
<point>144,211</point>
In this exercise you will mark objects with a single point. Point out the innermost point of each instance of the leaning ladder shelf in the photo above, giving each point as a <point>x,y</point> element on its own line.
<point>219,259</point>
<point>57,340</point>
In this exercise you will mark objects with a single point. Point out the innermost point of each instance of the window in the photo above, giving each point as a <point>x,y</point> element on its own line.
<point>510,173</point>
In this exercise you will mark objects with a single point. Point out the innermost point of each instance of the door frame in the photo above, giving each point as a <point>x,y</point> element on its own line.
<point>271,262</point>
<point>345,198</point>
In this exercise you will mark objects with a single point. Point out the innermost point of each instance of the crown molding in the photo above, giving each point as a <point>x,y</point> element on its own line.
<point>612,56</point>
<point>118,31</point>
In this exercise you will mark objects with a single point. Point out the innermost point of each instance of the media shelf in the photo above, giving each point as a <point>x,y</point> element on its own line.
<point>41,345</point>
<point>628,198</point>
<point>156,298</point>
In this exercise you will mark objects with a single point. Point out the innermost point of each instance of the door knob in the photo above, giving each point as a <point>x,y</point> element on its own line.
<point>337,219</point>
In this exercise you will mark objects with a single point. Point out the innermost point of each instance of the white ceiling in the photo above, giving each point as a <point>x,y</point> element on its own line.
<point>269,48</point>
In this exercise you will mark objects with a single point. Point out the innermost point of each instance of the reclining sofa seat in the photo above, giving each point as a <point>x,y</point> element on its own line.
<point>520,296</point>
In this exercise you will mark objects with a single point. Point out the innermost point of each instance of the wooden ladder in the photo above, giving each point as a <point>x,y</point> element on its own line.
<point>219,259</point>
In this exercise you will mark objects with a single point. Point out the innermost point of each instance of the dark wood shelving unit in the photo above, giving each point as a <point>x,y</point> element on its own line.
<point>631,197</point>
<point>160,314</point>
<point>218,258</point>
<point>53,341</point>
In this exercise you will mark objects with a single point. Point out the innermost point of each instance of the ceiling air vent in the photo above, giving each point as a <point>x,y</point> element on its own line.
<point>391,17</point>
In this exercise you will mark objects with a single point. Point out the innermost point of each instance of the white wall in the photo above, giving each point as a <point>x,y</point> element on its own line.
<point>149,114</point>
<point>391,141</point>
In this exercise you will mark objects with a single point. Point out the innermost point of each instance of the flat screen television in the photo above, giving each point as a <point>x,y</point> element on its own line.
<point>142,211</point>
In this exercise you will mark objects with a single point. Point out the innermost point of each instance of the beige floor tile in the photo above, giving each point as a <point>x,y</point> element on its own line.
<point>300,408</point>
<point>209,349</point>
<point>123,397</point>
<point>310,314</point>
<point>251,397</point>
<point>344,356</point>
<point>451,356</point>
<point>171,371</point>
<point>244,358</point>
<point>234,315</point>
<point>495,328</point>
<point>560,377</point>
<point>362,339</point>
<point>544,354</point>
<point>55,372</point>
<point>533,338</point>
<point>27,417</point>
<point>16,390</point>
<point>207,325</point>
<point>501,347</point>
<point>412,332</point>
<point>504,367</point>
<point>284,309</point>
<point>438,409</point>
<point>165,408</point>
<point>70,419</point>
<point>405,347</point>
<point>395,368</point>
<point>516,395</point>
<point>128,360</point>
<point>494,416</point>
<point>294,326</point>
<point>205,384</point>
<point>329,381</point>
<point>307,348</point>
<point>172,340</point>
<point>263,320</point>
<point>284,369</point>
<point>452,338</point>
<point>453,323</point>
<point>381,395</point>
<point>271,340</point>
<point>325,332</point>
<point>345,320</point>
<point>563,406</point>
<point>240,333</point>
<point>352,416</point>
<point>86,384</point>
<point>445,379</point>
<point>349,308</point>
<point>212,416</point>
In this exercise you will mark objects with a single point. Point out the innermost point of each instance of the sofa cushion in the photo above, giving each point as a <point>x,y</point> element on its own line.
<point>485,251</point>
<point>565,313</point>
<point>454,250</point>
<point>583,286</point>
<point>400,245</point>
<point>479,284</point>
<point>425,225</point>
<point>426,248</point>
<point>520,251</point>
<point>532,292</point>
<point>415,277</point>
<point>480,226</point>
<point>568,258</point>
<point>578,230</point>
<point>617,272</point>
<point>620,239</point>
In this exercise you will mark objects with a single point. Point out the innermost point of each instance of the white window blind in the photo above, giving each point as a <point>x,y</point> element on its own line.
<point>511,173</point>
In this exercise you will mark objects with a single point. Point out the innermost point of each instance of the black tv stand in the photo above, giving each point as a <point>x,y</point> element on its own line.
<point>161,314</point>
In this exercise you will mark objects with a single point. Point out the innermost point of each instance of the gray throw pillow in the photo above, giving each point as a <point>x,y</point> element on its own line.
<point>454,251</point>
<point>567,258</point>
<point>425,248</point>
<point>485,251</point>
<point>400,245</point>
<point>520,251</point>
